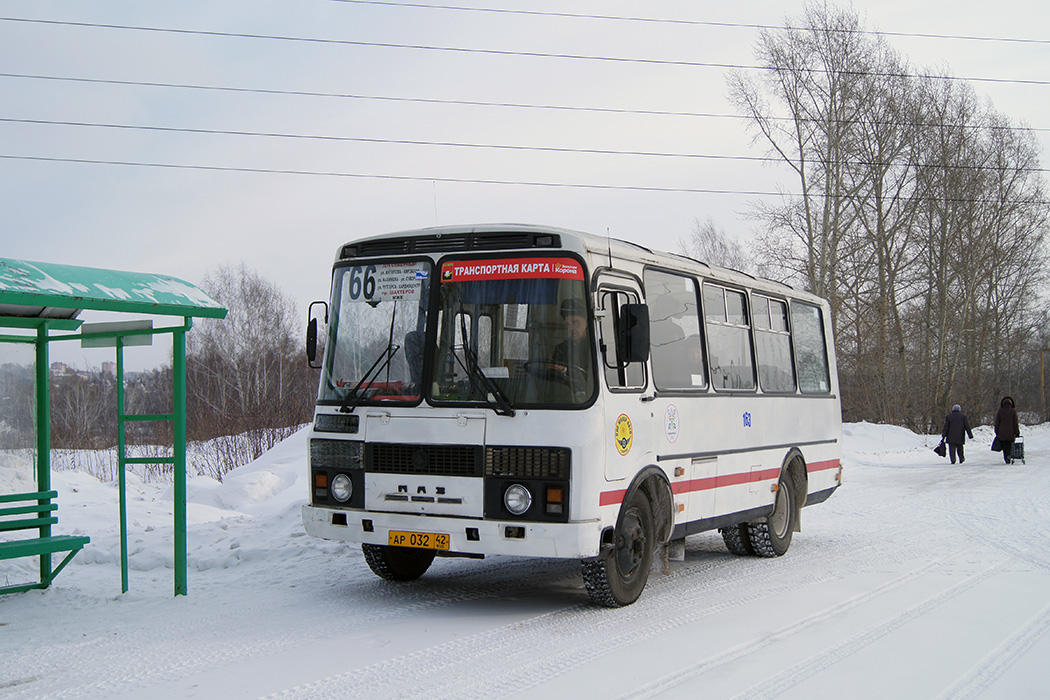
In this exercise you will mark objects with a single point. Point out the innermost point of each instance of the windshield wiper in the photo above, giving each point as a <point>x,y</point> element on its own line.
<point>503,406</point>
<point>356,395</point>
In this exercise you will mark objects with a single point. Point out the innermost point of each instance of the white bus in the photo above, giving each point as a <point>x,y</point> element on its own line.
<point>540,392</point>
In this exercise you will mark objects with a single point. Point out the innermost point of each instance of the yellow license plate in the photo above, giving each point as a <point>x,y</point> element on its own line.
<point>422,540</point>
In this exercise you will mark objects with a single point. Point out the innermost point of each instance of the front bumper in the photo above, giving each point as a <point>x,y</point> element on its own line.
<point>573,540</point>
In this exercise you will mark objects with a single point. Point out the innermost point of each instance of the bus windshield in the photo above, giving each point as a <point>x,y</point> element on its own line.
<point>376,334</point>
<point>513,332</point>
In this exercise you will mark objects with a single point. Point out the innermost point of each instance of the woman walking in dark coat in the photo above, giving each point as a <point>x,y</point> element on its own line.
<point>1006,427</point>
<point>956,428</point>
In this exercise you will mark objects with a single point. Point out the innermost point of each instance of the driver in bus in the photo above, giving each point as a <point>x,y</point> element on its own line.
<point>572,352</point>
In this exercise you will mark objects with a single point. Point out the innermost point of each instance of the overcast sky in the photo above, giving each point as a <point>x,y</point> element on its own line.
<point>186,221</point>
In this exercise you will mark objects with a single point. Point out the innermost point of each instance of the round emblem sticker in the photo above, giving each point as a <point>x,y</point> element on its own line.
<point>671,423</point>
<point>624,434</point>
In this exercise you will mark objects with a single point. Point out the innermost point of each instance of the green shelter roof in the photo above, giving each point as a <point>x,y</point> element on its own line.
<point>50,290</point>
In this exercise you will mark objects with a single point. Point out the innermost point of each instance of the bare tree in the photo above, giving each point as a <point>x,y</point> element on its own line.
<point>920,215</point>
<point>814,79</point>
<point>708,243</point>
<point>245,373</point>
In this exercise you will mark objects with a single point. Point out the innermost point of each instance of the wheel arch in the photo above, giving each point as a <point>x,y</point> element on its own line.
<point>653,482</point>
<point>794,468</point>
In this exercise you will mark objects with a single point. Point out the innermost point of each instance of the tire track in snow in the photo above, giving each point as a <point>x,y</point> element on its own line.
<point>1015,532</point>
<point>687,674</point>
<point>790,677</point>
<point>997,661</point>
<point>504,660</point>
<point>141,661</point>
<point>174,662</point>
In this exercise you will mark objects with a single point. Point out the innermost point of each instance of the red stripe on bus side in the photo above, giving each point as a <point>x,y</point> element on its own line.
<point>821,466</point>
<point>610,498</point>
<point>717,482</point>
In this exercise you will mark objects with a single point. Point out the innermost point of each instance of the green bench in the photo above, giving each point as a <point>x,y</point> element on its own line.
<point>35,511</point>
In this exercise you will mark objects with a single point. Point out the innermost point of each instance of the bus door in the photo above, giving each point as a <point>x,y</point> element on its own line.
<point>682,429</point>
<point>627,417</point>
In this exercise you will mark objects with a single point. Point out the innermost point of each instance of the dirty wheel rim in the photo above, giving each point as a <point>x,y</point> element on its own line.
<point>780,517</point>
<point>630,549</point>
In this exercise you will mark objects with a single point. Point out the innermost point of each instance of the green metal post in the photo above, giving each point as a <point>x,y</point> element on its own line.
<point>178,370</point>
<point>43,435</point>
<point>122,481</point>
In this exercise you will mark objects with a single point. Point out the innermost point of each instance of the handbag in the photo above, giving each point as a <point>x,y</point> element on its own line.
<point>996,445</point>
<point>940,449</point>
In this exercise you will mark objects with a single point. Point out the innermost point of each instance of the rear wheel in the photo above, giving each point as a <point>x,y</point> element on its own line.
<point>397,563</point>
<point>772,537</point>
<point>617,577</point>
<point>738,539</point>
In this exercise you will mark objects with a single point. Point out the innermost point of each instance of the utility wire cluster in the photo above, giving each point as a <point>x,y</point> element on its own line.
<point>423,100</point>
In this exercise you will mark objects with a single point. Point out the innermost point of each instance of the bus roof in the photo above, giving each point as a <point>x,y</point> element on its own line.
<point>578,241</point>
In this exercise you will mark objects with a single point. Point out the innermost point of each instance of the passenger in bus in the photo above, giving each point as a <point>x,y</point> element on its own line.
<point>956,428</point>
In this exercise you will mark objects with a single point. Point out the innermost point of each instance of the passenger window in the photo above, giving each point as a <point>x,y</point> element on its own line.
<point>674,332</point>
<point>811,352</point>
<point>714,303</point>
<point>728,339</point>
<point>773,345</point>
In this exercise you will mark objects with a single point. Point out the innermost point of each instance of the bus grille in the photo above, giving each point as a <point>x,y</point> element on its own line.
<point>436,460</point>
<point>528,462</point>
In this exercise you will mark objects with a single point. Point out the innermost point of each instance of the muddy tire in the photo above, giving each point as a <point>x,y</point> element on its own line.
<point>618,576</point>
<point>397,563</point>
<point>738,539</point>
<point>772,537</point>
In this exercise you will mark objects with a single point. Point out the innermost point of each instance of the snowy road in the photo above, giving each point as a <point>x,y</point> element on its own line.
<point>916,580</point>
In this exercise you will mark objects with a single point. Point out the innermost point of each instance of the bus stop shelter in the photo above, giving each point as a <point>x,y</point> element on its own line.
<point>39,305</point>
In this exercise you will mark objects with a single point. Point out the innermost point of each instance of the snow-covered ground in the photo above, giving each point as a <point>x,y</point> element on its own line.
<point>916,580</point>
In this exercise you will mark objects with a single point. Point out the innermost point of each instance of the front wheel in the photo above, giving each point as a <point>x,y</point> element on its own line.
<point>617,577</point>
<point>772,537</point>
<point>397,563</point>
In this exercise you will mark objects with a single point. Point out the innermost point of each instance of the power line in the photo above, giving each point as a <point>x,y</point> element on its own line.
<point>387,98</point>
<point>464,144</point>
<point>376,44</point>
<point>688,22</point>
<point>456,180</point>
<point>488,52</point>
<point>372,176</point>
<point>451,102</point>
<point>401,142</point>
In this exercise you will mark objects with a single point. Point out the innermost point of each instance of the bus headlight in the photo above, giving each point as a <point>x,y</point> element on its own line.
<point>341,488</point>
<point>517,499</point>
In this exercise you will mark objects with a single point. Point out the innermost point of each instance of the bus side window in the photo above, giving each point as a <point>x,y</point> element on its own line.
<point>772,345</point>
<point>728,338</point>
<point>618,375</point>
<point>674,319</point>
<point>811,352</point>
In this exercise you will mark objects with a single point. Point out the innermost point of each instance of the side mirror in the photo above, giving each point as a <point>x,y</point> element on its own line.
<point>633,333</point>
<point>312,334</point>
